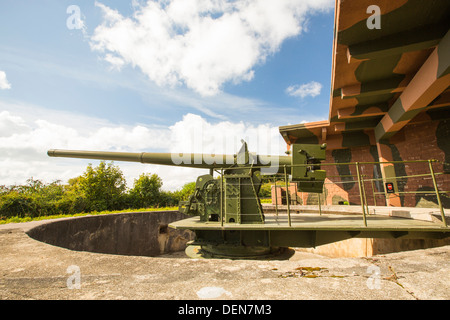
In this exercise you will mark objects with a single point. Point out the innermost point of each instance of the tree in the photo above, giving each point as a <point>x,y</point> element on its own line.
<point>146,191</point>
<point>103,187</point>
<point>185,191</point>
<point>266,190</point>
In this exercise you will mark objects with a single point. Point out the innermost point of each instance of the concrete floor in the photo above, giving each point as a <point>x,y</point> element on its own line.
<point>30,269</point>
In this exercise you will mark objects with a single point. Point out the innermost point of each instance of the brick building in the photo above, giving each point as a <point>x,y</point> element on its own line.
<point>390,101</point>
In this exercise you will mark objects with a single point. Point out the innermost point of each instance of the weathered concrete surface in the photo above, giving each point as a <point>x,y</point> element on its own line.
<point>30,269</point>
<point>130,233</point>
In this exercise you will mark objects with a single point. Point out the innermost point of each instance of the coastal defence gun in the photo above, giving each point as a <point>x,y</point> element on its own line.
<point>228,217</point>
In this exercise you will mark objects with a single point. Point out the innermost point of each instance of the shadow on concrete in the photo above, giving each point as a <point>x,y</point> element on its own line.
<point>134,233</point>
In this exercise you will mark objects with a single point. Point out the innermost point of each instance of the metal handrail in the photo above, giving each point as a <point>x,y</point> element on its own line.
<point>361,179</point>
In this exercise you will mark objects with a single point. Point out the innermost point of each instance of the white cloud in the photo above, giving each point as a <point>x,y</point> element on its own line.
<point>200,43</point>
<point>25,138</point>
<point>4,84</point>
<point>10,124</point>
<point>308,89</point>
<point>116,62</point>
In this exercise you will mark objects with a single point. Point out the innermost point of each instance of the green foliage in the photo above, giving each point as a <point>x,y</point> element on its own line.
<point>168,199</point>
<point>184,193</point>
<point>266,190</point>
<point>33,199</point>
<point>146,191</point>
<point>96,190</point>
<point>102,187</point>
<point>16,219</point>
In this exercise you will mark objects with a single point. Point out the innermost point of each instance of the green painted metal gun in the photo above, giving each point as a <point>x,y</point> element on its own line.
<point>230,199</point>
<point>234,197</point>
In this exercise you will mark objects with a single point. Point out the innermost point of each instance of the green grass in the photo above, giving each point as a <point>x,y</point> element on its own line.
<point>27,219</point>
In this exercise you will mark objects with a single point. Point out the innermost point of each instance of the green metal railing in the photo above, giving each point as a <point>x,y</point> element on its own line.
<point>360,179</point>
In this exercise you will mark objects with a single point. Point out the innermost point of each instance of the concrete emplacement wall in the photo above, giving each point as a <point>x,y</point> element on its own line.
<point>148,234</point>
<point>135,233</point>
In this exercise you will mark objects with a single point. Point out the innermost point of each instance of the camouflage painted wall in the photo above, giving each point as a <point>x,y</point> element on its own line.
<point>420,141</point>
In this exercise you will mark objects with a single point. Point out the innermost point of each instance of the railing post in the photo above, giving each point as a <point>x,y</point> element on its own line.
<point>373,192</point>
<point>287,196</point>
<point>276,195</point>
<point>364,193</point>
<point>221,198</point>
<point>361,194</point>
<point>320,207</point>
<point>437,193</point>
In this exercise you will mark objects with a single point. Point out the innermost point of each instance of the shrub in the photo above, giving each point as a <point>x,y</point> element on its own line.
<point>146,191</point>
<point>102,188</point>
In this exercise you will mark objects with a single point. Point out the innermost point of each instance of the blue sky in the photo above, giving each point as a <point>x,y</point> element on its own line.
<point>135,74</point>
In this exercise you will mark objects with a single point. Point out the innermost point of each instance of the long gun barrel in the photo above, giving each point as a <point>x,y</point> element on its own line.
<point>192,160</point>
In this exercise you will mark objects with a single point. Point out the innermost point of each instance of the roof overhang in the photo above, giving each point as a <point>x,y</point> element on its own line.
<point>383,79</point>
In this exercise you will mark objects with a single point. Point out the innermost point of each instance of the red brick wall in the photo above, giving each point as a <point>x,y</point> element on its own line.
<point>414,142</point>
<point>420,142</point>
